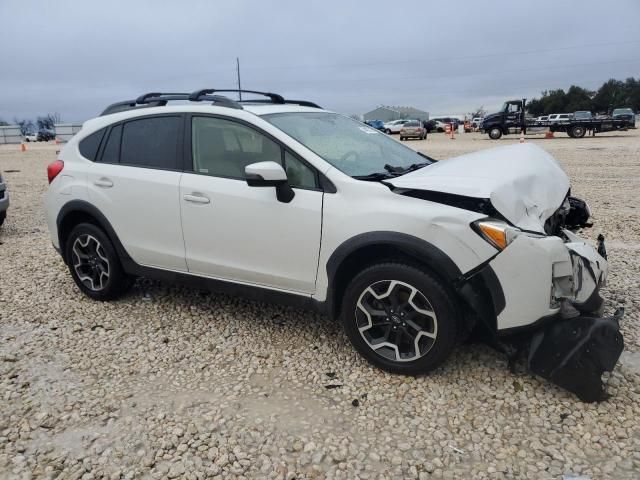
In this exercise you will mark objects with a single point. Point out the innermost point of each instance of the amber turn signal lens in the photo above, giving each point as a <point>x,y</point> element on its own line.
<point>495,234</point>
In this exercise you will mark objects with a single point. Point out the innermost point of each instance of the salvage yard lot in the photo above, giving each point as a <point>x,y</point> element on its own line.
<point>176,382</point>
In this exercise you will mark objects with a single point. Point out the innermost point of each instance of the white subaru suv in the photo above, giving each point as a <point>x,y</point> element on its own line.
<point>281,200</point>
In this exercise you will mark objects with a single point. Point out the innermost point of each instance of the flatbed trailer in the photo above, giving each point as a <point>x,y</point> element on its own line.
<point>511,119</point>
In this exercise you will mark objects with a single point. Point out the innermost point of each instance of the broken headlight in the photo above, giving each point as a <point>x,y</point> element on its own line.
<point>498,233</point>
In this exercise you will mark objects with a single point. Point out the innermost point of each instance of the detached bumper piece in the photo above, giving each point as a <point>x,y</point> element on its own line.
<point>574,353</point>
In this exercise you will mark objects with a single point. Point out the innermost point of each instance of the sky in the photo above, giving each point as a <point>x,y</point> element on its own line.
<point>444,57</point>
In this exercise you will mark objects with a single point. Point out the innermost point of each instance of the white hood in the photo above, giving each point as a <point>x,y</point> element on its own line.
<point>524,183</point>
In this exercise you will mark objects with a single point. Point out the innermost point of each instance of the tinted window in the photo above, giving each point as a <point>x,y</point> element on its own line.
<point>89,146</point>
<point>224,148</point>
<point>111,152</point>
<point>151,142</point>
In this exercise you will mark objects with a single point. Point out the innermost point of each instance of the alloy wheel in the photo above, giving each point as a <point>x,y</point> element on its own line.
<point>396,320</point>
<point>90,262</point>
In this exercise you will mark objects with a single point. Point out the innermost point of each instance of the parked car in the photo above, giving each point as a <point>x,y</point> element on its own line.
<point>4,200</point>
<point>582,115</point>
<point>46,135</point>
<point>439,126</point>
<point>31,137</point>
<point>453,121</point>
<point>476,122</point>
<point>560,117</point>
<point>377,124</point>
<point>283,202</point>
<point>625,114</point>
<point>429,125</point>
<point>394,126</point>
<point>413,129</point>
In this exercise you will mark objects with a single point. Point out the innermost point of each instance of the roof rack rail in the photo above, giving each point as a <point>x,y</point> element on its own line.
<point>274,97</point>
<point>302,103</point>
<point>159,99</point>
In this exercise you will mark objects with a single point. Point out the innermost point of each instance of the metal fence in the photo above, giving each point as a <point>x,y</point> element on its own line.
<point>10,134</point>
<point>64,131</point>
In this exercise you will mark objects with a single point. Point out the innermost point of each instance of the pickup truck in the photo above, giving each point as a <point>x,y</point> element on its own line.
<point>511,119</point>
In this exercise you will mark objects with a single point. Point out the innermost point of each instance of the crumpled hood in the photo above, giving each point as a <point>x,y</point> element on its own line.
<point>524,182</point>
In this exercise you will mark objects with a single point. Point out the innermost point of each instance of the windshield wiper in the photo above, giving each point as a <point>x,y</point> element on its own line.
<point>376,176</point>
<point>402,170</point>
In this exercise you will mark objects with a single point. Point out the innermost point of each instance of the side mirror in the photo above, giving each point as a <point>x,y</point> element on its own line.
<point>270,174</point>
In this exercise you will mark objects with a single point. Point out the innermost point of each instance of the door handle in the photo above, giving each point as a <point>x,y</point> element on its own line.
<point>103,183</point>
<point>197,198</point>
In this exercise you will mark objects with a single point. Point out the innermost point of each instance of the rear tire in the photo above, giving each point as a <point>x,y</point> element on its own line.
<point>405,313</point>
<point>495,133</point>
<point>3,216</point>
<point>387,131</point>
<point>94,263</point>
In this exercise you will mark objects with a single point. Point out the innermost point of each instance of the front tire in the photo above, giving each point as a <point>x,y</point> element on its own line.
<point>94,263</point>
<point>495,133</point>
<point>400,318</point>
<point>3,216</point>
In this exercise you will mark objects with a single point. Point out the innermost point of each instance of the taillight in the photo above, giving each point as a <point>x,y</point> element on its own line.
<point>53,169</point>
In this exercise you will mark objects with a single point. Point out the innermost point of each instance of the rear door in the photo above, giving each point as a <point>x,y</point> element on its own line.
<point>135,184</point>
<point>245,234</point>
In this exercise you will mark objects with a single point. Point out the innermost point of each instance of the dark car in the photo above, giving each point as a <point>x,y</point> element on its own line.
<point>429,125</point>
<point>377,124</point>
<point>46,135</point>
<point>625,114</point>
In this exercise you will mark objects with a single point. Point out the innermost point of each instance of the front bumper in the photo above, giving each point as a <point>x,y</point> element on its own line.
<point>553,311</point>
<point>538,275</point>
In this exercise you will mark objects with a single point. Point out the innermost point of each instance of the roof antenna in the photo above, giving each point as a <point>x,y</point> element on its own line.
<point>239,87</point>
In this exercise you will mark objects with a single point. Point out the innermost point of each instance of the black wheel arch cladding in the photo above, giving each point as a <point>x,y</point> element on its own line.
<point>77,211</point>
<point>480,289</point>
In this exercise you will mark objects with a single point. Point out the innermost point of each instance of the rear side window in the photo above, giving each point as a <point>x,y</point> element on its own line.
<point>111,151</point>
<point>151,142</point>
<point>89,145</point>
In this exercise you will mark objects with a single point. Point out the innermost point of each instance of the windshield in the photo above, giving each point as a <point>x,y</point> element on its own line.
<point>621,111</point>
<point>348,145</point>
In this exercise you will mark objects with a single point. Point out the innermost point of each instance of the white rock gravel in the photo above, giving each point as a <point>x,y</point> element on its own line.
<point>175,383</point>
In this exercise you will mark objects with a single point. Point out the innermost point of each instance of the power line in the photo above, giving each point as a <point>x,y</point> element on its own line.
<point>439,59</point>
<point>414,61</point>
<point>457,75</point>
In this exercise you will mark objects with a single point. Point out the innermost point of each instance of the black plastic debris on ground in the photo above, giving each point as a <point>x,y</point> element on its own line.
<point>574,353</point>
<point>332,386</point>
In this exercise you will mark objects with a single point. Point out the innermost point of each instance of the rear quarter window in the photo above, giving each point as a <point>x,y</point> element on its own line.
<point>151,142</point>
<point>90,145</point>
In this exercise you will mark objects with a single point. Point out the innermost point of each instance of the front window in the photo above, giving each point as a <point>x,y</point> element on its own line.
<point>623,111</point>
<point>350,146</point>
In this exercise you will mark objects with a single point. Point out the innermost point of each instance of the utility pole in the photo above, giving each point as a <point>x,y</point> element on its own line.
<point>238,70</point>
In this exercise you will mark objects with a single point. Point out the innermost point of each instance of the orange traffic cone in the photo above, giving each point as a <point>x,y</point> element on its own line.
<point>56,141</point>
<point>521,136</point>
<point>23,147</point>
<point>452,138</point>
<point>549,134</point>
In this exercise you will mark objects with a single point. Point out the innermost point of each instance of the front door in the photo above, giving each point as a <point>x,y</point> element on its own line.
<point>240,233</point>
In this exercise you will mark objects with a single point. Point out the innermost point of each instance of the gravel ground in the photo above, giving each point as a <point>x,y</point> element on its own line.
<point>177,383</point>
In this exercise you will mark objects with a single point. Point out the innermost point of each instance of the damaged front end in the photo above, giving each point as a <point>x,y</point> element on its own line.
<point>562,332</point>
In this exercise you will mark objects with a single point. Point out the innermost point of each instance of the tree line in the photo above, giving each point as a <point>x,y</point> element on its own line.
<point>611,95</point>
<point>44,122</point>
